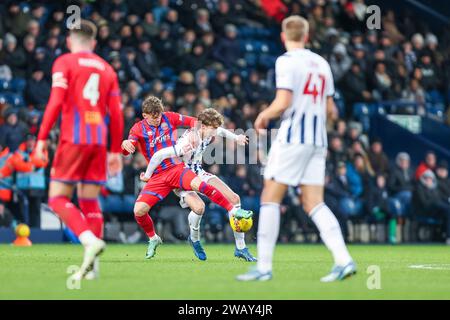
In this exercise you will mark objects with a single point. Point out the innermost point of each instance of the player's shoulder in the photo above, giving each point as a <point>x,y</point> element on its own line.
<point>173,116</point>
<point>65,57</point>
<point>137,125</point>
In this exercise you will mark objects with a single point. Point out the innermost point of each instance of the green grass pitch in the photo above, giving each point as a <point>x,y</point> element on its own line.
<point>40,272</point>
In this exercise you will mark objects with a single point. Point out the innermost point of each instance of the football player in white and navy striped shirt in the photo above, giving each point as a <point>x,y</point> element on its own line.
<point>304,98</point>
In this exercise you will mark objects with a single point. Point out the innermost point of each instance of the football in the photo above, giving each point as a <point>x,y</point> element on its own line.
<point>242,225</point>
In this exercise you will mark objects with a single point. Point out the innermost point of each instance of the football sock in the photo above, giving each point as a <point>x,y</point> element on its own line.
<point>194,225</point>
<point>71,216</point>
<point>146,223</point>
<point>93,214</point>
<point>268,229</point>
<point>239,237</point>
<point>215,196</point>
<point>331,234</point>
<point>87,237</point>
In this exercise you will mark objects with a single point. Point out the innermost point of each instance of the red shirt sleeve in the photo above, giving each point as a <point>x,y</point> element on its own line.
<point>179,120</point>
<point>60,82</point>
<point>115,115</point>
<point>133,135</point>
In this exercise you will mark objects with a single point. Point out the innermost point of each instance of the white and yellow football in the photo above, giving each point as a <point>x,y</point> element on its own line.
<point>242,225</point>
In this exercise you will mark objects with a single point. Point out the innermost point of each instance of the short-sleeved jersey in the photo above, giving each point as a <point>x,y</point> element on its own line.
<point>151,138</point>
<point>192,156</point>
<point>89,84</point>
<point>309,77</point>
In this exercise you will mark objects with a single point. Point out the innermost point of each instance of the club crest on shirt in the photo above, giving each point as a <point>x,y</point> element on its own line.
<point>164,126</point>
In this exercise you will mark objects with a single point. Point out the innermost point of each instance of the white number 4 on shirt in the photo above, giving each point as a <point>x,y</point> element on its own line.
<point>90,90</point>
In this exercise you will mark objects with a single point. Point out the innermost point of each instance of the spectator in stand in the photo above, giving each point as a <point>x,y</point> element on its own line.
<point>222,17</point>
<point>219,86</point>
<point>382,82</point>
<point>6,218</point>
<point>415,94</point>
<point>428,201</point>
<point>149,25</point>
<point>37,89</point>
<point>13,132</point>
<point>160,11</point>
<point>255,89</point>
<point>382,207</point>
<point>354,88</point>
<point>16,19</point>
<point>349,203</point>
<point>165,46</point>
<point>378,159</point>
<point>196,59</point>
<point>443,180</point>
<point>146,60</point>
<point>14,56</point>
<point>227,49</point>
<point>30,178</point>
<point>428,163</point>
<point>130,66</point>
<point>400,182</point>
<point>340,62</point>
<point>202,24</point>
<point>430,75</point>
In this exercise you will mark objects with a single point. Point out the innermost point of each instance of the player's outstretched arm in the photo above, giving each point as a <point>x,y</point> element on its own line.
<point>116,122</point>
<point>156,160</point>
<point>227,134</point>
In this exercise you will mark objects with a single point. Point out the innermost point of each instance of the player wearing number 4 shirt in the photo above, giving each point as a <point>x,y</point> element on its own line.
<point>297,157</point>
<point>85,93</point>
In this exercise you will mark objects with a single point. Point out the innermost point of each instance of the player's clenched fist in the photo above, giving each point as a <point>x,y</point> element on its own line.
<point>128,146</point>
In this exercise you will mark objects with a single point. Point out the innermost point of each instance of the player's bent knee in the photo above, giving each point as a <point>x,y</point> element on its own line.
<point>195,183</point>
<point>141,209</point>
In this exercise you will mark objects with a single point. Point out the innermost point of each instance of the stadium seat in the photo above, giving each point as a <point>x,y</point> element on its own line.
<point>18,85</point>
<point>4,84</point>
<point>12,98</point>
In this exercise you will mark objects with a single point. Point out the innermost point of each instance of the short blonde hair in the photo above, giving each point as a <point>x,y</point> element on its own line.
<point>295,28</point>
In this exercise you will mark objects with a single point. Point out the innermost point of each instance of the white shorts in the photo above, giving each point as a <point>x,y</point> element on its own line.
<point>296,164</point>
<point>204,176</point>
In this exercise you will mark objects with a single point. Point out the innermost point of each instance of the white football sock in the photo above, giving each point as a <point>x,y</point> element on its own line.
<point>194,225</point>
<point>87,238</point>
<point>331,234</point>
<point>154,237</point>
<point>268,229</point>
<point>239,237</point>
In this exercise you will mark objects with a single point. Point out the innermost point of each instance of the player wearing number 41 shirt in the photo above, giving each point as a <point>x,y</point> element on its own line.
<point>297,157</point>
<point>85,93</point>
<point>157,131</point>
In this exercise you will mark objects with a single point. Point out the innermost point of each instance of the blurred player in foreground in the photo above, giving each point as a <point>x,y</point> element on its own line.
<point>85,93</point>
<point>157,131</point>
<point>303,99</point>
<point>190,148</point>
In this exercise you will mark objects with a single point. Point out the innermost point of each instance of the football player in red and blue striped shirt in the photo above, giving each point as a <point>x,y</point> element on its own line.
<point>85,92</point>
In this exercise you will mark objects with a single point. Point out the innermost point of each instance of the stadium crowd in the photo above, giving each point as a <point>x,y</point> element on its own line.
<point>221,53</point>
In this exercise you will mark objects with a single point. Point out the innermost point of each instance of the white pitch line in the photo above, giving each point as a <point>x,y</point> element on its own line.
<point>430,266</point>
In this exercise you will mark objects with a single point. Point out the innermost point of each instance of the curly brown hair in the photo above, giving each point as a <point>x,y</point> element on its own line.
<point>153,106</point>
<point>211,118</point>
